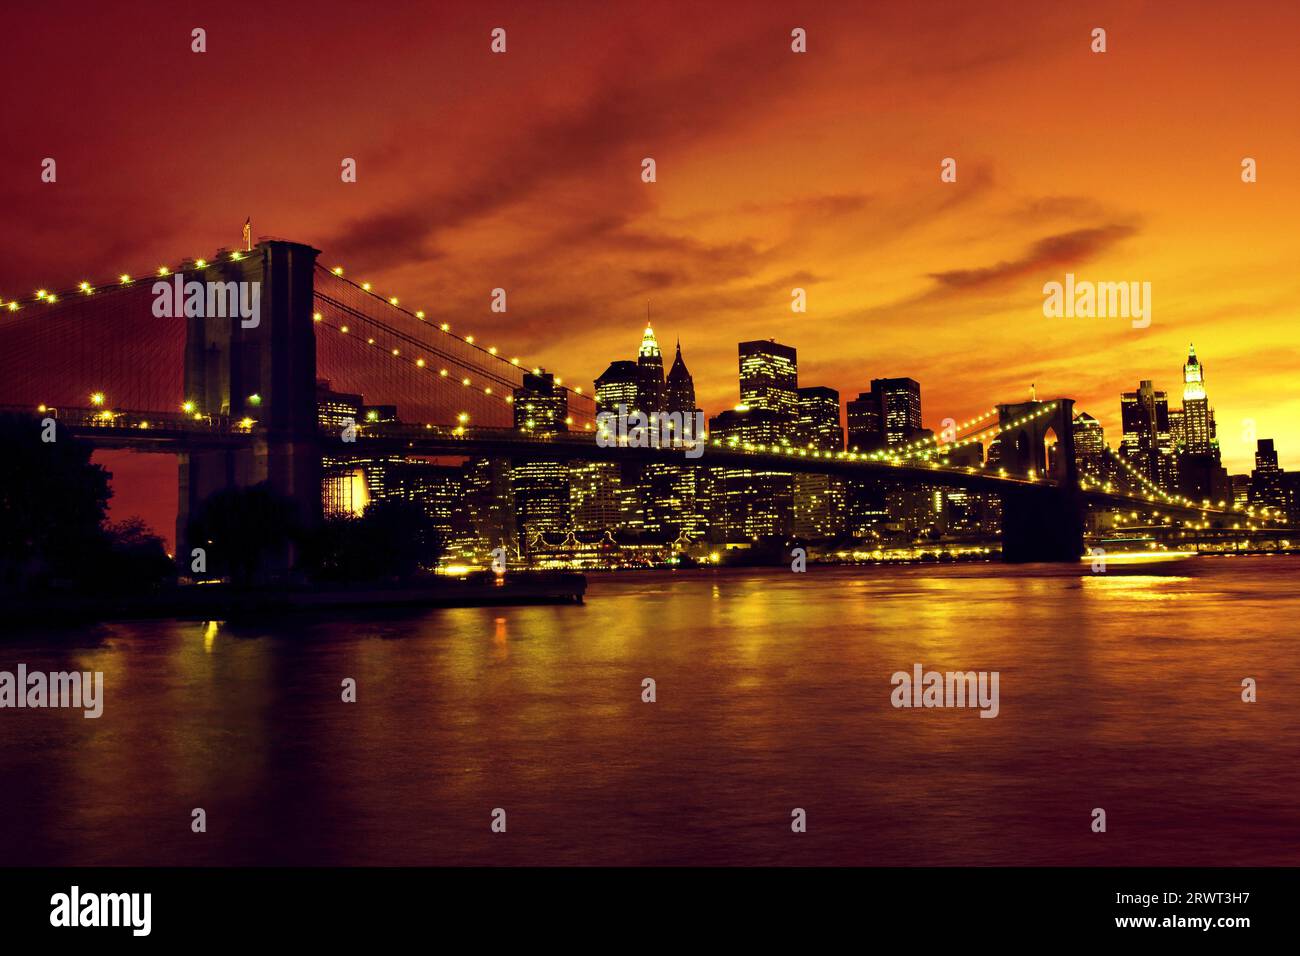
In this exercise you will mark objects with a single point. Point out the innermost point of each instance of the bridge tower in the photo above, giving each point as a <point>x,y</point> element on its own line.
<point>264,368</point>
<point>1043,523</point>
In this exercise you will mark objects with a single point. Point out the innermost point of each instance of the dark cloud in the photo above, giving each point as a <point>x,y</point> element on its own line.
<point>1065,250</point>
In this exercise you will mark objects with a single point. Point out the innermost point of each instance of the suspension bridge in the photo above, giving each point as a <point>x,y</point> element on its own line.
<point>234,397</point>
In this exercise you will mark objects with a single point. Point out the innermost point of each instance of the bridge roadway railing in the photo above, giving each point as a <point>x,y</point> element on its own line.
<point>127,428</point>
<point>487,442</point>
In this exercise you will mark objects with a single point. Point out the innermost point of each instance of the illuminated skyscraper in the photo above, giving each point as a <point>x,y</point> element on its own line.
<point>900,404</point>
<point>751,503</point>
<point>596,496</point>
<point>769,380</point>
<point>819,419</point>
<point>1147,442</point>
<point>866,425</point>
<point>888,416</point>
<point>1090,447</point>
<point>1267,488</point>
<point>539,406</point>
<point>620,384</point>
<point>650,364</point>
<point>1200,473</point>
<point>1198,420</point>
<point>489,506</point>
<point>541,488</point>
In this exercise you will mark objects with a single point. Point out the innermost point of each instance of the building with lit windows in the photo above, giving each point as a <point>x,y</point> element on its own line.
<point>1267,488</point>
<point>336,410</point>
<point>819,419</point>
<point>1147,443</point>
<point>1200,473</point>
<point>540,488</point>
<point>887,417</point>
<point>596,494</point>
<point>650,366</point>
<point>1198,431</point>
<point>1090,447</point>
<point>749,504</point>
<point>769,380</point>
<point>900,409</point>
<point>620,384</point>
<point>539,405</point>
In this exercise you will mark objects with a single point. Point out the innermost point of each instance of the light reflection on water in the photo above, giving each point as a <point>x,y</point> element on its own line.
<point>1119,691</point>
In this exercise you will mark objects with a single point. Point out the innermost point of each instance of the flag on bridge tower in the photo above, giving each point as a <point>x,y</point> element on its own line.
<point>248,234</point>
<point>1033,392</point>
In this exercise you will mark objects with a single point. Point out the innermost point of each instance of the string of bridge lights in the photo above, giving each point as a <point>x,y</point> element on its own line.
<point>895,458</point>
<point>1155,490</point>
<point>933,439</point>
<point>1265,513</point>
<point>419,362</point>
<point>126,280</point>
<point>445,327</point>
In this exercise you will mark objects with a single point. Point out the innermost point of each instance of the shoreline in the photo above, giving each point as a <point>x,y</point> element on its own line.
<point>205,602</point>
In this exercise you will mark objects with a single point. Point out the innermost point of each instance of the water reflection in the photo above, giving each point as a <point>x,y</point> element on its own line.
<point>1120,691</point>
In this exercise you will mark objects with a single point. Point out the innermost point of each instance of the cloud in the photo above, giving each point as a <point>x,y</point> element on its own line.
<point>1065,251</point>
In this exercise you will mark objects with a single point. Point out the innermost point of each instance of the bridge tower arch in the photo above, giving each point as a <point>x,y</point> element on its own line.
<point>264,368</point>
<point>1025,429</point>
<point>1041,522</point>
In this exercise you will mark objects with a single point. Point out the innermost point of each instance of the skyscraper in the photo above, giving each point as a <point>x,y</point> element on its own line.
<point>819,418</point>
<point>1198,420</point>
<point>769,379</point>
<point>900,408</point>
<point>650,364</point>
<point>1147,442</point>
<point>620,384</point>
<point>541,488</point>
<point>888,416</point>
<point>751,503</point>
<point>680,390</point>
<point>1090,447</point>
<point>1266,483</point>
<point>819,500</point>
<point>866,426</point>
<point>539,406</point>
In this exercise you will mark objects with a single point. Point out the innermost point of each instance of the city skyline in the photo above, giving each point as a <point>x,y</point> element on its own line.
<point>904,274</point>
<point>672,436</point>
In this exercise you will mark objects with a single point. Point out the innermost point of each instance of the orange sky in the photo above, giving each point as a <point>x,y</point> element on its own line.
<point>775,170</point>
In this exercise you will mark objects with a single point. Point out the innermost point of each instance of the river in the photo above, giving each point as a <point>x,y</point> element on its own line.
<point>773,692</point>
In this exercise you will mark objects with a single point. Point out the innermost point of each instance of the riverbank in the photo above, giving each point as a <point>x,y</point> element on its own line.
<point>223,602</point>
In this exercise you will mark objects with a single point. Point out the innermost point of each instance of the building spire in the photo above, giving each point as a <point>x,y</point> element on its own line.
<point>649,346</point>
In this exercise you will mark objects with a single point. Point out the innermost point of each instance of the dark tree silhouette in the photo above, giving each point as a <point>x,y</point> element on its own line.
<point>392,539</point>
<point>137,559</point>
<point>52,504</point>
<point>239,528</point>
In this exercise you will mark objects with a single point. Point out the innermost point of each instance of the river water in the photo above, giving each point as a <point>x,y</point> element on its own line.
<point>1117,691</point>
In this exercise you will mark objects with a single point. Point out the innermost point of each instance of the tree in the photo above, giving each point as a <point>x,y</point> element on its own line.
<point>52,504</point>
<point>137,558</point>
<point>392,539</point>
<point>239,528</point>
